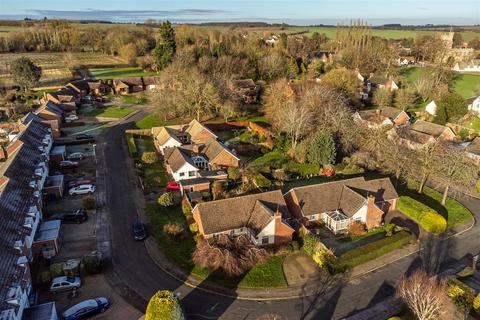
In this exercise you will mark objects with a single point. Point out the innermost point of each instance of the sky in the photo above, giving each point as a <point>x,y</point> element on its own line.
<point>299,12</point>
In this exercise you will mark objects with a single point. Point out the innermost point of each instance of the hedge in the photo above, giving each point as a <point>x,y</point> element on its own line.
<point>425,216</point>
<point>132,148</point>
<point>375,249</point>
<point>303,169</point>
<point>261,182</point>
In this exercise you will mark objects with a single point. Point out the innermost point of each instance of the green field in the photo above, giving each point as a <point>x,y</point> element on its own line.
<point>111,112</point>
<point>467,85</point>
<point>110,73</point>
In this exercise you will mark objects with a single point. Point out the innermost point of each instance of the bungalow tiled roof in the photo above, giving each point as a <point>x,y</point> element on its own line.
<point>474,146</point>
<point>429,128</point>
<point>345,195</point>
<point>213,148</point>
<point>252,211</point>
<point>165,133</point>
<point>177,158</point>
<point>154,80</point>
<point>130,81</point>
<point>194,128</point>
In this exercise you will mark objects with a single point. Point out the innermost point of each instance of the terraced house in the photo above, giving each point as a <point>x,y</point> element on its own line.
<point>24,170</point>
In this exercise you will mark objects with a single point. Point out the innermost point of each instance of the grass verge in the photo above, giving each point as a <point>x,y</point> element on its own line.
<point>425,216</point>
<point>111,112</point>
<point>110,73</point>
<point>132,148</point>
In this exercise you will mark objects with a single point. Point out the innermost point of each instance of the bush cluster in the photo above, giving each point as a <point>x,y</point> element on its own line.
<point>425,216</point>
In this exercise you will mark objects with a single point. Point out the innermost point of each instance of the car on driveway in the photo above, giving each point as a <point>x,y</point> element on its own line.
<point>76,216</point>
<point>86,308</point>
<point>83,136</point>
<point>82,189</point>
<point>76,156</point>
<point>139,232</point>
<point>71,118</point>
<point>78,182</point>
<point>173,186</point>
<point>67,164</point>
<point>65,283</point>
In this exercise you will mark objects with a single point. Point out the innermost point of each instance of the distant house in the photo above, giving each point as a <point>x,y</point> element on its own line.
<point>474,104</point>
<point>151,83</point>
<point>246,89</point>
<point>168,137</point>
<point>219,156</point>
<point>380,82</point>
<point>53,115</point>
<point>472,150</point>
<point>65,98</point>
<point>339,203</point>
<point>198,133</point>
<point>431,108</point>
<point>128,85</point>
<point>88,87</point>
<point>323,56</point>
<point>180,165</point>
<point>422,133</point>
<point>406,61</point>
<point>382,117</point>
<point>472,65</point>
<point>259,216</point>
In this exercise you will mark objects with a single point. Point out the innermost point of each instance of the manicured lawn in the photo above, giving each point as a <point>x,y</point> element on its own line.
<point>111,112</point>
<point>425,216</point>
<point>273,157</point>
<point>375,249</point>
<point>454,212</point>
<point>110,73</point>
<point>472,123</point>
<point>135,98</point>
<point>347,243</point>
<point>269,274</point>
<point>467,85</point>
<point>155,120</point>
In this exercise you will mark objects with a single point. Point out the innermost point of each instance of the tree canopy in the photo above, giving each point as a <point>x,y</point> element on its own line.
<point>25,72</point>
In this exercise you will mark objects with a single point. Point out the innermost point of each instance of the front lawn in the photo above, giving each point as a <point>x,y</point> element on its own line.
<point>110,112</point>
<point>454,212</point>
<point>425,216</point>
<point>373,250</point>
<point>269,274</point>
<point>467,85</point>
<point>155,120</point>
<point>134,98</point>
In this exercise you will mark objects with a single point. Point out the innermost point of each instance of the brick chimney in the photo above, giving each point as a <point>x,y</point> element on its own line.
<point>374,214</point>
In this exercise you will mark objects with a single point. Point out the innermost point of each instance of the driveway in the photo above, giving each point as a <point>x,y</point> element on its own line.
<point>137,278</point>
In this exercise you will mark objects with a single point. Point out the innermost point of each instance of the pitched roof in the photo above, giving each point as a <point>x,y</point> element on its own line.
<point>378,79</point>
<point>151,80</point>
<point>347,195</point>
<point>64,93</point>
<point>254,211</point>
<point>194,128</point>
<point>474,146</point>
<point>165,133</point>
<point>52,106</point>
<point>130,81</point>
<point>429,128</point>
<point>176,158</point>
<point>213,148</point>
<point>391,112</point>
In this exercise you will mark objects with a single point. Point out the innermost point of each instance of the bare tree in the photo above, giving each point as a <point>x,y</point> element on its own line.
<point>382,98</point>
<point>397,160</point>
<point>455,173</point>
<point>404,98</point>
<point>427,162</point>
<point>424,296</point>
<point>234,256</point>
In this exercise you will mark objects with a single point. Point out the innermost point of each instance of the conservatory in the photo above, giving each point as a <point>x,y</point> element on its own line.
<point>336,221</point>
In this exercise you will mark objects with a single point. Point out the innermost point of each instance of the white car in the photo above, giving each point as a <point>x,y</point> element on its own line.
<point>82,189</point>
<point>76,156</point>
<point>65,283</point>
<point>71,117</point>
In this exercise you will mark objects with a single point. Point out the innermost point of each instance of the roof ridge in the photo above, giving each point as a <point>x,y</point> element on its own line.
<point>325,183</point>
<point>232,198</point>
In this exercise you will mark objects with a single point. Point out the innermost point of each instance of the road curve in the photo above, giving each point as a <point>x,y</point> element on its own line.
<point>136,277</point>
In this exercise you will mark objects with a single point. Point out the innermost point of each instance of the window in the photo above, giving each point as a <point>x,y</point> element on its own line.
<point>191,173</point>
<point>265,240</point>
<point>182,174</point>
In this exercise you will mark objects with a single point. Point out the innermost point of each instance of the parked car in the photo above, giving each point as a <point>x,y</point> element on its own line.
<point>76,216</point>
<point>82,189</point>
<point>139,232</point>
<point>76,156</point>
<point>65,283</point>
<point>173,186</point>
<point>78,182</point>
<point>67,164</point>
<point>86,308</point>
<point>71,118</point>
<point>83,136</point>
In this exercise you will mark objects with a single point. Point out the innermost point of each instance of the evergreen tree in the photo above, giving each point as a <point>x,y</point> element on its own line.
<point>322,149</point>
<point>166,46</point>
<point>25,72</point>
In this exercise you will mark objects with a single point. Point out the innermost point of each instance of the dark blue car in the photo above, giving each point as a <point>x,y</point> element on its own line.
<point>87,308</point>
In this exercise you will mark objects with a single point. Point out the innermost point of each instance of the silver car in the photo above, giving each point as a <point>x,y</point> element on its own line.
<point>65,283</point>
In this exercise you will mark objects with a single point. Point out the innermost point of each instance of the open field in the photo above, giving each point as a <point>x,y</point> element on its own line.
<point>467,85</point>
<point>110,73</point>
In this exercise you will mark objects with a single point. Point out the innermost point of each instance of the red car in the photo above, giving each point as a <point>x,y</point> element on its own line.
<point>173,186</point>
<point>67,164</point>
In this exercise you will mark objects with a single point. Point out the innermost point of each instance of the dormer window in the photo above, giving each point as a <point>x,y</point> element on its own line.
<point>28,224</point>
<point>18,245</point>
<point>22,261</point>
<point>32,184</point>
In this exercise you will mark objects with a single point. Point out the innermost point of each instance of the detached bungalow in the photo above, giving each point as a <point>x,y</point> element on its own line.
<point>380,82</point>
<point>422,133</point>
<point>87,86</point>
<point>259,216</point>
<point>382,117</point>
<point>339,203</point>
<point>180,165</point>
<point>128,85</point>
<point>65,98</point>
<point>246,89</point>
<point>219,156</point>
<point>151,83</point>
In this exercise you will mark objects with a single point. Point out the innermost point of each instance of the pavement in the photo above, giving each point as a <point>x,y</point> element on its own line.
<point>136,277</point>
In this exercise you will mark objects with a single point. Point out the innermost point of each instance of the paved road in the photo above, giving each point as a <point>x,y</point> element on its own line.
<point>137,278</point>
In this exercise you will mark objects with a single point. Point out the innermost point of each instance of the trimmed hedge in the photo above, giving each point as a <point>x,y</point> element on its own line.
<point>132,148</point>
<point>425,216</point>
<point>303,169</point>
<point>375,249</point>
<point>260,181</point>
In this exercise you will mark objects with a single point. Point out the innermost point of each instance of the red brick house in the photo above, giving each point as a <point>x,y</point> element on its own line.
<point>246,89</point>
<point>383,117</point>
<point>219,156</point>
<point>338,203</point>
<point>421,133</point>
<point>259,216</point>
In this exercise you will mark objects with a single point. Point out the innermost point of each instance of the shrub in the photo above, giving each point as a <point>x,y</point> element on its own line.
<point>261,182</point>
<point>93,263</point>
<point>476,303</point>
<point>165,200</point>
<point>352,169</point>
<point>428,218</point>
<point>132,148</point>
<point>89,203</point>
<point>324,258</point>
<point>310,244</point>
<point>477,186</point>
<point>389,229</point>
<point>193,228</point>
<point>164,305</point>
<point>186,208</point>
<point>233,173</point>
<point>462,296</point>
<point>356,228</point>
<point>466,272</point>
<point>56,270</point>
<point>173,229</point>
<point>149,157</point>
